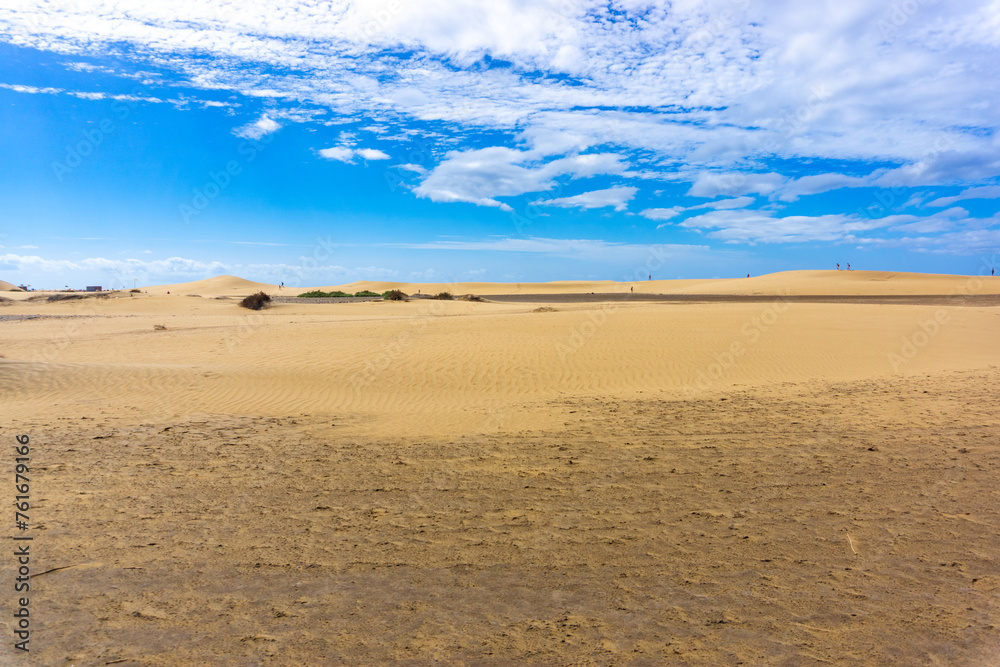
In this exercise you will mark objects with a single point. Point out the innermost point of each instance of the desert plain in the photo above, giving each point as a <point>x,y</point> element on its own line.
<point>792,469</point>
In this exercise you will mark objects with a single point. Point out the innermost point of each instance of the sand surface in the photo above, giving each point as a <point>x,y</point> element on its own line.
<point>581,483</point>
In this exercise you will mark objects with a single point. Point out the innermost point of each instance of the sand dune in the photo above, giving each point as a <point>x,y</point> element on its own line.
<point>217,286</point>
<point>788,282</point>
<point>783,283</point>
<point>461,361</point>
<point>472,482</point>
<point>8,287</point>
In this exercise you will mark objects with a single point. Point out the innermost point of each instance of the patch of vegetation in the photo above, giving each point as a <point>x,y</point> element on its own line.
<point>159,327</point>
<point>136,291</point>
<point>443,296</point>
<point>366,293</point>
<point>394,295</point>
<point>472,297</point>
<point>256,301</point>
<point>320,294</point>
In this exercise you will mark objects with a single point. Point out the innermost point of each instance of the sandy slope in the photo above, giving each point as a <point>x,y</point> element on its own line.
<point>466,482</point>
<point>217,286</point>
<point>784,283</point>
<point>788,282</point>
<point>8,287</point>
<point>468,364</point>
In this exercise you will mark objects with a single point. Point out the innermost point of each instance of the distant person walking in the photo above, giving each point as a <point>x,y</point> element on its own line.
<point>848,266</point>
<point>838,266</point>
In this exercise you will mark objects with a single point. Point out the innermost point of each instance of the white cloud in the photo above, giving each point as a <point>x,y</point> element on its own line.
<point>715,90</point>
<point>181,268</point>
<point>32,90</point>
<point>262,126</point>
<point>347,154</point>
<point>735,202</point>
<point>817,183</point>
<point>984,192</point>
<point>618,197</point>
<point>339,153</point>
<point>479,176</point>
<point>585,249</point>
<point>714,184</point>
<point>662,213</point>
<point>372,154</point>
<point>171,265</point>
<point>763,227</point>
<point>741,226</point>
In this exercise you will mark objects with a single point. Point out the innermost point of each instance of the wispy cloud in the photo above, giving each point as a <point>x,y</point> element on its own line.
<point>257,129</point>
<point>586,249</point>
<point>617,197</point>
<point>729,101</point>
<point>347,154</point>
<point>984,192</point>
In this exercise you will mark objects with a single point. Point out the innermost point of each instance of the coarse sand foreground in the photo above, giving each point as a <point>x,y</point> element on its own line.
<point>463,482</point>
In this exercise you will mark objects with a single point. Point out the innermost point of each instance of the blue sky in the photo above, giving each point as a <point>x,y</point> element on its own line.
<point>321,143</point>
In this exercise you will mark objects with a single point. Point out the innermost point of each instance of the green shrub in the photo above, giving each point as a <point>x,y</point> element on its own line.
<point>255,301</point>
<point>443,296</point>
<point>366,293</point>
<point>319,294</point>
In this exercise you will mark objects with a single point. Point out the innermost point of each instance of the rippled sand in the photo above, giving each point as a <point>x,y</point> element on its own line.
<point>600,483</point>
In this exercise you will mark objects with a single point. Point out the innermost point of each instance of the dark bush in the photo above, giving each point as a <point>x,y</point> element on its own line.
<point>443,296</point>
<point>366,293</point>
<point>394,295</point>
<point>135,291</point>
<point>255,301</point>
